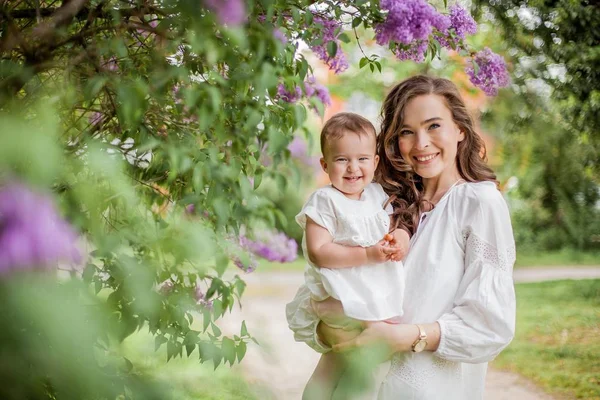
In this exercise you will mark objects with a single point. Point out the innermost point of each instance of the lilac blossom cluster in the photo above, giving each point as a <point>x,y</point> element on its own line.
<point>491,73</point>
<point>409,20</point>
<point>462,22</point>
<point>32,233</point>
<point>414,51</point>
<point>271,245</point>
<point>247,267</point>
<point>228,12</point>
<point>312,88</point>
<point>337,63</point>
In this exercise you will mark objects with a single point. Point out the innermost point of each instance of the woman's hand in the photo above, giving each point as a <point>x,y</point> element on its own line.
<point>395,337</point>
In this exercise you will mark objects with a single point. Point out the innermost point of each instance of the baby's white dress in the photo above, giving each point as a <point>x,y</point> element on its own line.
<point>369,292</point>
<point>458,273</point>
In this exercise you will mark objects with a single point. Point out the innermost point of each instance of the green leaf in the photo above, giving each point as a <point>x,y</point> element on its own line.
<point>228,348</point>
<point>241,350</point>
<point>356,22</point>
<point>88,273</point>
<point>332,48</point>
<point>372,67</point>
<point>159,341</point>
<point>378,65</point>
<point>244,330</point>
<point>344,38</point>
<point>363,61</point>
<point>308,18</point>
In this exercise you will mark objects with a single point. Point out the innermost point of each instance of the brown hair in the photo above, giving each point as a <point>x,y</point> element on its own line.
<point>399,181</point>
<point>342,123</point>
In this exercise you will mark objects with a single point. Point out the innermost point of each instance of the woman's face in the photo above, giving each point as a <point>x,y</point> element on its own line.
<point>428,138</point>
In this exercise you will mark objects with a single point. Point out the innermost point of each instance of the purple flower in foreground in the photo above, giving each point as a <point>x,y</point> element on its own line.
<point>461,21</point>
<point>491,74</point>
<point>32,233</point>
<point>409,20</point>
<point>329,27</point>
<point>228,12</point>
<point>271,245</point>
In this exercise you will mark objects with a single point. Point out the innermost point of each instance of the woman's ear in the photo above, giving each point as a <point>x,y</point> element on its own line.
<point>461,136</point>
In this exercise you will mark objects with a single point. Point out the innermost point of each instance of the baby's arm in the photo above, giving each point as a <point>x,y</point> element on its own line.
<point>326,254</point>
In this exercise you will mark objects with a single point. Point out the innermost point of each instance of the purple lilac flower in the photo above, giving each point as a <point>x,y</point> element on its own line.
<point>228,12</point>
<point>190,209</point>
<point>414,52</point>
<point>409,20</point>
<point>271,245</point>
<point>279,35</point>
<point>462,22</point>
<point>288,96</point>
<point>314,88</point>
<point>200,297</point>
<point>338,63</point>
<point>32,233</point>
<point>248,267</point>
<point>492,73</point>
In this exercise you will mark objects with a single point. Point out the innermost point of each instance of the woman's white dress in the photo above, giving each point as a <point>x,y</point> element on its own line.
<point>367,292</point>
<point>458,273</point>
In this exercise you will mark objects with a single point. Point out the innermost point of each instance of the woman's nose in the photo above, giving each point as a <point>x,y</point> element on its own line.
<point>422,140</point>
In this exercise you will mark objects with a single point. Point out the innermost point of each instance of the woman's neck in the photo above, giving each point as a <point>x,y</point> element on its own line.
<point>435,188</point>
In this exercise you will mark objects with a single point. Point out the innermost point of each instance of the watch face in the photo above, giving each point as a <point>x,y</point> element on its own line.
<point>420,346</point>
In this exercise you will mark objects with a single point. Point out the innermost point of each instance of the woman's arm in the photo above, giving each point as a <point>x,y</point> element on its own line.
<point>397,337</point>
<point>326,254</point>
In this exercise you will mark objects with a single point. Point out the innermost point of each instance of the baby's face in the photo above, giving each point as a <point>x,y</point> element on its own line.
<point>350,162</point>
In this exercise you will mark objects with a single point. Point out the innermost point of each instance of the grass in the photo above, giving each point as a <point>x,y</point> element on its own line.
<point>557,342</point>
<point>185,378</point>
<point>563,257</point>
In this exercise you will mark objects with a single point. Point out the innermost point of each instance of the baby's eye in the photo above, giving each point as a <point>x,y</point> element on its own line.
<point>363,158</point>
<point>340,159</point>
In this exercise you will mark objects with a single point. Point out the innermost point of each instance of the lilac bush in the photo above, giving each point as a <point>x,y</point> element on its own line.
<point>32,233</point>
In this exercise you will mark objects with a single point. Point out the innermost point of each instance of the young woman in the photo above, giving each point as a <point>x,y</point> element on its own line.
<point>459,303</point>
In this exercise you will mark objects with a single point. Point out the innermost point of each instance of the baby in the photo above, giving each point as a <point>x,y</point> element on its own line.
<point>351,255</point>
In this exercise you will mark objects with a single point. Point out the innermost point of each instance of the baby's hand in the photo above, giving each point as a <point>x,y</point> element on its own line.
<point>399,243</point>
<point>379,252</point>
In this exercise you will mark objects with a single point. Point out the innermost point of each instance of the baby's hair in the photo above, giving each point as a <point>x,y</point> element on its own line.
<point>342,123</point>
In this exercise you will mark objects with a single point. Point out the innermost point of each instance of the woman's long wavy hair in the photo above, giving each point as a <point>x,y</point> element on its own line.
<point>398,179</point>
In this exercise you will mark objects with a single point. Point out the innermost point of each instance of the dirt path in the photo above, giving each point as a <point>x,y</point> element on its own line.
<point>283,365</point>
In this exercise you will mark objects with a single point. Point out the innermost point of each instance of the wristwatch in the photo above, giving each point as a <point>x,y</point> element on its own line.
<point>419,344</point>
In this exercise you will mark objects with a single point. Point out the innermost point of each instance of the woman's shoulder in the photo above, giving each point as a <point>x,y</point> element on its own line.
<point>478,192</point>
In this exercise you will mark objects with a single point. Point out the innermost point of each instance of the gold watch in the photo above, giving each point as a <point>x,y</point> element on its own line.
<point>421,342</point>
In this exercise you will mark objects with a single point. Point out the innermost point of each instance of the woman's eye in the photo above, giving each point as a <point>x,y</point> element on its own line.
<point>405,132</point>
<point>434,126</point>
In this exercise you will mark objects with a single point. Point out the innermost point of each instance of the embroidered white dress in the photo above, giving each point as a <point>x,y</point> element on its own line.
<point>369,292</point>
<point>458,273</point>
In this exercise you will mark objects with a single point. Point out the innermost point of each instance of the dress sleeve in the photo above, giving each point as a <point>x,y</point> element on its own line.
<point>320,209</point>
<point>482,320</point>
<point>303,320</point>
